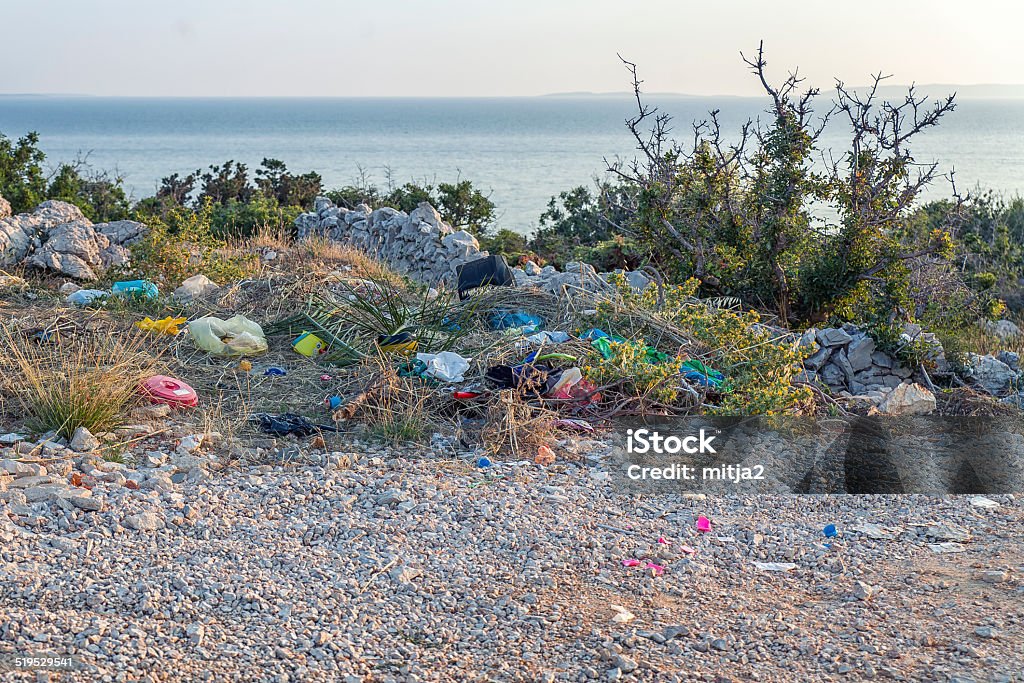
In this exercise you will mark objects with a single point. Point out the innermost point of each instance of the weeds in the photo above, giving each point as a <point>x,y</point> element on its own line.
<point>82,381</point>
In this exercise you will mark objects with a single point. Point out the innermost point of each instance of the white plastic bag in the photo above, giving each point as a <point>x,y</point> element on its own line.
<point>445,366</point>
<point>236,336</point>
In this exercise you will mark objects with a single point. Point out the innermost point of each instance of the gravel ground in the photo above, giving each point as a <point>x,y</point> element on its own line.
<point>405,566</point>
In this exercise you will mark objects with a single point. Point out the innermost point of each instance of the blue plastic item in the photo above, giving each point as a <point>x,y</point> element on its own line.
<point>830,531</point>
<point>135,288</point>
<point>506,320</point>
<point>483,462</point>
<point>275,371</point>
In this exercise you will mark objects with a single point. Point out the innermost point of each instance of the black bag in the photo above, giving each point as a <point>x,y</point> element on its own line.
<point>489,270</point>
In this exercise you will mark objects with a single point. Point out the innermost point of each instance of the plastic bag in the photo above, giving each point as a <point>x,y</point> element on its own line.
<point>166,325</point>
<point>236,336</point>
<point>84,297</point>
<point>445,366</point>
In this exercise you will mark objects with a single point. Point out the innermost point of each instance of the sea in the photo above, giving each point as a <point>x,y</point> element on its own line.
<point>520,151</point>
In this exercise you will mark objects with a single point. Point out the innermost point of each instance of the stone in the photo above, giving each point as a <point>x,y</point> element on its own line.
<point>863,591</point>
<point>908,399</point>
<point>637,280</point>
<point>989,373</point>
<point>1005,330</point>
<point>833,337</point>
<point>194,288</point>
<point>83,441</point>
<point>21,469</point>
<point>531,269</point>
<point>87,503</point>
<point>144,521</point>
<point>818,358</point>
<point>1011,359</point>
<point>5,207</point>
<point>859,353</point>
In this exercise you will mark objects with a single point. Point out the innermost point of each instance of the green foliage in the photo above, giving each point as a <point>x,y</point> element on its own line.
<point>22,181</point>
<point>99,195</point>
<point>182,243</point>
<point>759,368</point>
<point>579,219</point>
<point>514,246</point>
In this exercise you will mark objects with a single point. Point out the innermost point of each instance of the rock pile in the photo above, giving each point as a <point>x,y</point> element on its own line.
<point>5,207</point>
<point>57,237</point>
<point>847,359</point>
<point>418,244</point>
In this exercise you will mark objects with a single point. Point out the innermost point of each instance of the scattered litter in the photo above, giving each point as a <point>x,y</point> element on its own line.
<point>631,562</point>
<point>545,456</point>
<point>445,366</point>
<point>656,569</point>
<point>947,547</point>
<point>661,539</point>
<point>983,502</point>
<point>275,371</point>
<point>236,336</point>
<point>688,549</point>
<point>325,378</point>
<point>483,462</point>
<point>695,371</point>
<point>403,343</point>
<point>548,337</point>
<point>169,391</point>
<point>465,395</point>
<point>288,423</point>
<point>489,270</point>
<point>309,345</point>
<point>830,531</point>
<point>703,524</point>
<point>84,297</point>
<point>509,320</point>
<point>775,566</point>
<point>574,425</point>
<point>333,402</point>
<point>169,325</point>
<point>139,288</point>
<point>244,365</point>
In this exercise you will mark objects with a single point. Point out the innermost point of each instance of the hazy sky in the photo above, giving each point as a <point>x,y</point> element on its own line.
<point>487,47</point>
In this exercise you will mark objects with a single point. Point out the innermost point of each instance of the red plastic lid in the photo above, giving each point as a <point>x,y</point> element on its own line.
<point>173,392</point>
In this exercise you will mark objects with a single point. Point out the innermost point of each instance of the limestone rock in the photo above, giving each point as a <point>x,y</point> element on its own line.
<point>859,353</point>
<point>833,336</point>
<point>5,207</point>
<point>990,373</point>
<point>908,399</point>
<point>1003,329</point>
<point>83,441</point>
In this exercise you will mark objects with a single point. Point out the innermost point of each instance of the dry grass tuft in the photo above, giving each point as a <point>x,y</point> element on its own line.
<point>87,380</point>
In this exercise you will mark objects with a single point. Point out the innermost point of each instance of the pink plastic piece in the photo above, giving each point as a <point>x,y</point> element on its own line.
<point>661,539</point>
<point>689,550</point>
<point>703,524</point>
<point>656,568</point>
<point>631,562</point>
<point>169,390</point>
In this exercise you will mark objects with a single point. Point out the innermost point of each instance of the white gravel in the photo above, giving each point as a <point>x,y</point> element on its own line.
<point>405,566</point>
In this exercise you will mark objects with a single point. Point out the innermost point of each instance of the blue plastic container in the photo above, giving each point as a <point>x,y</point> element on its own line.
<point>135,288</point>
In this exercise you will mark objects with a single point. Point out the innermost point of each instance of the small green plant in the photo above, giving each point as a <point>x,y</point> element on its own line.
<point>182,244</point>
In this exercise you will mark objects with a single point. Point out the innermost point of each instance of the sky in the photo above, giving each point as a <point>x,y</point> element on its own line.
<point>492,48</point>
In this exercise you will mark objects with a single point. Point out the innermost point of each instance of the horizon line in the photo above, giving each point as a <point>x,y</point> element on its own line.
<point>581,93</point>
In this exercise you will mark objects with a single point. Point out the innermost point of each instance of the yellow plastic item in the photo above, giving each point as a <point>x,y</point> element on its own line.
<point>166,325</point>
<point>244,366</point>
<point>236,336</point>
<point>308,344</point>
<point>405,348</point>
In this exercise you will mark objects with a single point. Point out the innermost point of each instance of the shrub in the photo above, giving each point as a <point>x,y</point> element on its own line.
<point>182,244</point>
<point>82,382</point>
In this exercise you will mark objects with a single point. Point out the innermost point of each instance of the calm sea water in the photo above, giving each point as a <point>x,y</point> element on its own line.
<point>521,150</point>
